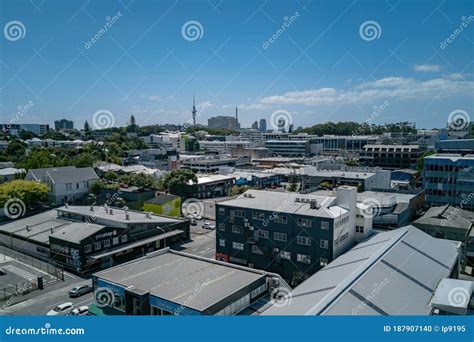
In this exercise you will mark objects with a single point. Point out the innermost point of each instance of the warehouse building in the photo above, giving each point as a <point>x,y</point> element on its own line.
<point>84,239</point>
<point>168,282</point>
<point>391,273</point>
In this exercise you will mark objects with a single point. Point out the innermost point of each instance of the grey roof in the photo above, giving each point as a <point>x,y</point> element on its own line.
<point>391,273</point>
<point>68,174</point>
<point>77,231</point>
<point>174,276</point>
<point>39,227</point>
<point>453,296</point>
<point>284,202</point>
<point>447,216</point>
<point>118,215</point>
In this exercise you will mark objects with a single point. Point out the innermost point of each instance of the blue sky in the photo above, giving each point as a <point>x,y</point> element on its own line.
<point>319,67</point>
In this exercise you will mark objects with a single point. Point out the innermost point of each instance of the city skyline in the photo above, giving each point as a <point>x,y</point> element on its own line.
<point>148,60</point>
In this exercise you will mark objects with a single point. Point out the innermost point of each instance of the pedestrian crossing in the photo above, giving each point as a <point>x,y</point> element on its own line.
<point>20,272</point>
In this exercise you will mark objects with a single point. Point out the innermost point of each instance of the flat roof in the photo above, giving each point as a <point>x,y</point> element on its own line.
<point>118,215</point>
<point>315,172</point>
<point>174,276</point>
<point>390,273</point>
<point>451,156</point>
<point>284,202</point>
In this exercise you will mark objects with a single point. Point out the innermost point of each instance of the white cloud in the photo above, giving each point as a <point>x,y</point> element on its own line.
<point>427,68</point>
<point>367,92</point>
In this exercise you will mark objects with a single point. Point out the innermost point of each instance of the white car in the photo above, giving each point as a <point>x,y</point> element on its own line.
<point>80,311</point>
<point>61,310</point>
<point>207,225</point>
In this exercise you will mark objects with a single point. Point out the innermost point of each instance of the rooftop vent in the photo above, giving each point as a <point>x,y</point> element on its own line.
<point>91,208</point>
<point>111,212</point>
<point>148,215</point>
<point>313,204</point>
<point>28,228</point>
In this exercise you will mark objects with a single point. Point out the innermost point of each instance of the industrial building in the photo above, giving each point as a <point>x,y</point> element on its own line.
<point>391,273</point>
<point>84,239</point>
<point>168,282</point>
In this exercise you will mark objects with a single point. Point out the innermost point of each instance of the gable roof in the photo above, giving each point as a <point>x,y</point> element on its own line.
<point>68,174</point>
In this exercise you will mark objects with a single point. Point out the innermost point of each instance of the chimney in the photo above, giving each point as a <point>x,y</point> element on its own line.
<point>27,228</point>
<point>111,211</point>
<point>91,208</point>
<point>313,204</point>
<point>127,216</point>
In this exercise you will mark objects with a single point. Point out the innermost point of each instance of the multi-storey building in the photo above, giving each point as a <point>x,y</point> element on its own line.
<point>225,122</point>
<point>391,156</point>
<point>15,129</point>
<point>63,124</point>
<point>291,234</point>
<point>449,179</point>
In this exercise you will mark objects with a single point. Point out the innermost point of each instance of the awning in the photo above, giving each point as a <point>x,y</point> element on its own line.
<point>138,243</point>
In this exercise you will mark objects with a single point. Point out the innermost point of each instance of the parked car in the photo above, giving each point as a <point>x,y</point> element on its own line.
<point>61,310</point>
<point>80,311</point>
<point>207,225</point>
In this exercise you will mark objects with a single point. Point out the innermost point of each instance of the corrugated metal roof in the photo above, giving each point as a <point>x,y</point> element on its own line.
<point>391,273</point>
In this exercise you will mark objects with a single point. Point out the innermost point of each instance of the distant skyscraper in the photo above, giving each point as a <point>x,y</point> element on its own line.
<point>237,124</point>
<point>263,125</point>
<point>194,112</point>
<point>226,122</point>
<point>255,125</point>
<point>63,124</point>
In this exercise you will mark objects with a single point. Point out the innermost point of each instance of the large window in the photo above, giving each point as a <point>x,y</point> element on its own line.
<point>281,219</point>
<point>303,222</point>
<point>277,236</point>
<point>303,240</point>
<point>97,245</point>
<point>303,258</point>
<point>262,233</point>
<point>258,216</point>
<point>238,246</point>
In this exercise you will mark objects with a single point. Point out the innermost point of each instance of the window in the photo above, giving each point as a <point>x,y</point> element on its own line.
<point>221,211</point>
<point>238,213</point>
<point>221,242</point>
<point>68,186</point>
<point>323,262</point>
<point>106,243</point>
<point>261,233</point>
<point>237,245</point>
<point>303,258</point>
<point>97,246</point>
<point>303,240</point>
<point>258,216</point>
<point>258,290</point>
<point>303,222</point>
<point>87,248</point>
<point>123,238</point>
<point>236,229</point>
<point>222,227</point>
<point>324,244</point>
<point>77,185</point>
<point>324,225</point>
<point>256,249</point>
<point>281,219</point>
<point>285,255</point>
<point>359,229</point>
<point>277,236</point>
<point>115,241</point>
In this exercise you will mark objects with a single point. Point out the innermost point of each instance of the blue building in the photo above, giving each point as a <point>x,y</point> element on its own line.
<point>168,282</point>
<point>449,179</point>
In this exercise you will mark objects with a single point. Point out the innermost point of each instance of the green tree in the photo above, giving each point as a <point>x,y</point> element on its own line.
<point>29,192</point>
<point>110,176</point>
<point>86,127</point>
<point>293,184</point>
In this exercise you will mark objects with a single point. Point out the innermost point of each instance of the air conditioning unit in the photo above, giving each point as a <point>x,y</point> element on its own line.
<point>251,228</point>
